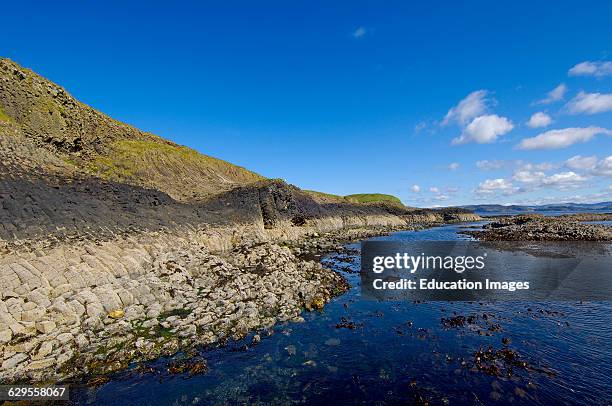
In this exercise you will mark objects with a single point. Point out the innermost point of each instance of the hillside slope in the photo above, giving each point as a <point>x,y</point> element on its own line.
<point>372,198</point>
<point>35,111</point>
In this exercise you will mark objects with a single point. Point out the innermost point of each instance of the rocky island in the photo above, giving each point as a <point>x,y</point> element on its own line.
<point>536,227</point>
<point>117,245</point>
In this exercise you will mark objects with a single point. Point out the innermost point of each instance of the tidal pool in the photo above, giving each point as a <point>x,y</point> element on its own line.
<point>359,351</point>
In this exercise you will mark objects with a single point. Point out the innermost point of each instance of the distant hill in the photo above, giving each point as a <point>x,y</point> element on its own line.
<point>372,198</point>
<point>492,209</point>
<point>355,198</point>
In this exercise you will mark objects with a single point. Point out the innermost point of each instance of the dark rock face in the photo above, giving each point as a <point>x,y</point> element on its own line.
<point>535,227</point>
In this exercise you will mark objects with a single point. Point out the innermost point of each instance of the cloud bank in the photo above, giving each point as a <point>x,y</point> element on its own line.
<point>590,103</point>
<point>588,68</point>
<point>555,139</point>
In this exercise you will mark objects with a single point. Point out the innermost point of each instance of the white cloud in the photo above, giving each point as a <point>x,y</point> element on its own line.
<point>490,165</point>
<point>360,32</point>
<point>452,189</point>
<point>434,189</point>
<point>487,165</point>
<point>420,126</point>
<point>490,186</point>
<point>604,167</point>
<point>542,166</point>
<point>590,103</point>
<point>564,180</point>
<point>554,95</point>
<point>472,106</point>
<point>537,179</point>
<point>415,188</point>
<point>555,139</point>
<point>539,119</point>
<point>526,176</point>
<point>581,162</point>
<point>587,68</point>
<point>484,130</point>
<point>453,166</point>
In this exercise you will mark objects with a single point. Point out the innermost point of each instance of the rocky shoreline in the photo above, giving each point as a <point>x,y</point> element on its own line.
<point>536,227</point>
<point>117,245</point>
<point>95,275</point>
<point>87,309</point>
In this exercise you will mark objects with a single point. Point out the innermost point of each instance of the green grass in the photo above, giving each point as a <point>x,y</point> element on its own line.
<point>4,116</point>
<point>372,198</point>
<point>356,198</point>
<point>151,159</point>
<point>325,196</point>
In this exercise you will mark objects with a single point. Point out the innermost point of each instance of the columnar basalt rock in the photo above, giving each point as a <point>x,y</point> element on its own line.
<point>160,295</point>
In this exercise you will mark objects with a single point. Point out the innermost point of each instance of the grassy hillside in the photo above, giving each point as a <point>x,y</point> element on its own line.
<point>152,163</point>
<point>4,116</point>
<point>372,198</point>
<point>356,198</point>
<point>322,197</point>
<point>89,142</point>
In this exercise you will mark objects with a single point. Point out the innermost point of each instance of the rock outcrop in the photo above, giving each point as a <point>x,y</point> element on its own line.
<point>119,301</point>
<point>536,227</point>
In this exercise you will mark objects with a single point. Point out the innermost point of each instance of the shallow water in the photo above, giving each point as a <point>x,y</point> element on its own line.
<point>604,222</point>
<point>398,352</point>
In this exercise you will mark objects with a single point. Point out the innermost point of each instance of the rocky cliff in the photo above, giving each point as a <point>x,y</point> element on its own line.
<point>117,245</point>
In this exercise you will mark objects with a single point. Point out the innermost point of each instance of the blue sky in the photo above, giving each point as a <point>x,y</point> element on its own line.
<point>351,97</point>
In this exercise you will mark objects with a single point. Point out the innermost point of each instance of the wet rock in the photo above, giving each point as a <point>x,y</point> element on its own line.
<point>191,366</point>
<point>351,325</point>
<point>98,381</point>
<point>332,342</point>
<point>498,362</point>
<point>198,367</point>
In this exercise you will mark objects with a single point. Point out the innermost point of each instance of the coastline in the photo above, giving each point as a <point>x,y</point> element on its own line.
<point>88,308</point>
